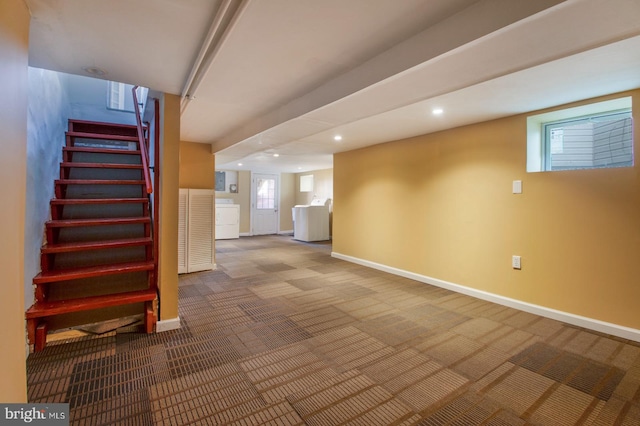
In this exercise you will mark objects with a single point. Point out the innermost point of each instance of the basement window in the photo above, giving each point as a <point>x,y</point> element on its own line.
<point>119,96</point>
<point>306,183</point>
<point>598,135</point>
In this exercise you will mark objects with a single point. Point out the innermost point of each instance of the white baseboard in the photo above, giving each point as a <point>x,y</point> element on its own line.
<point>166,325</point>
<point>249,234</point>
<point>569,318</point>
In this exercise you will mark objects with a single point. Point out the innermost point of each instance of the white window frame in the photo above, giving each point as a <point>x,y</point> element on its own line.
<point>536,147</point>
<point>306,183</point>
<point>116,93</point>
<point>119,96</point>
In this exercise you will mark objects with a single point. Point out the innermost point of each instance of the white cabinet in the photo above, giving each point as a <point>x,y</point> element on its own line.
<point>227,221</point>
<point>196,244</point>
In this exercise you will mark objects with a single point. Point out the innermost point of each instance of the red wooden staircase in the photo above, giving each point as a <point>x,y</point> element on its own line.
<point>98,259</point>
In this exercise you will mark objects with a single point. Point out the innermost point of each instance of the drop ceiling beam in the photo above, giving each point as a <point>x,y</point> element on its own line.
<point>462,29</point>
<point>222,24</point>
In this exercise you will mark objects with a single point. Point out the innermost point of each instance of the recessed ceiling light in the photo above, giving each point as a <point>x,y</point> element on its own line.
<point>337,138</point>
<point>276,155</point>
<point>240,164</point>
<point>95,71</point>
<point>437,111</point>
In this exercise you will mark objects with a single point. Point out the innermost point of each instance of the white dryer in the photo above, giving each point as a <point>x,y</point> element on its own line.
<point>227,219</point>
<point>311,222</point>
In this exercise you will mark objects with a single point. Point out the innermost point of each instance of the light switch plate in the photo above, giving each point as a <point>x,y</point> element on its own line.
<point>517,187</point>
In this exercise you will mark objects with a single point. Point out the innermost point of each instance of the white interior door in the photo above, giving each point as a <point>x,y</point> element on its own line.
<point>264,204</point>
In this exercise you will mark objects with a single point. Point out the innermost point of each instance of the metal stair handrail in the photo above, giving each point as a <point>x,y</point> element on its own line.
<point>144,150</point>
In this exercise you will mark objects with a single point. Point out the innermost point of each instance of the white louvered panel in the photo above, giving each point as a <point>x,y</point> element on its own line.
<point>182,231</point>
<point>201,230</point>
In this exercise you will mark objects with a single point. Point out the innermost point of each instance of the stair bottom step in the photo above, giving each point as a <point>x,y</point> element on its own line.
<point>42,315</point>
<point>46,309</point>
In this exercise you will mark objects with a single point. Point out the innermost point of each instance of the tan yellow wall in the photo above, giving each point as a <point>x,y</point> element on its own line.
<point>197,168</point>
<point>169,179</point>
<point>287,201</point>
<point>322,186</point>
<point>448,213</point>
<point>244,199</point>
<point>14,45</point>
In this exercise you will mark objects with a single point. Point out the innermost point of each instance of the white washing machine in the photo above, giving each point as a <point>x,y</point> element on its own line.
<point>311,222</point>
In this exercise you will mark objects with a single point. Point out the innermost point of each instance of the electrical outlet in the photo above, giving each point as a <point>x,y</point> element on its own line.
<point>515,262</point>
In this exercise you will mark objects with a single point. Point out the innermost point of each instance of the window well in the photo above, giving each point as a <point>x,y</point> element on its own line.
<point>598,135</point>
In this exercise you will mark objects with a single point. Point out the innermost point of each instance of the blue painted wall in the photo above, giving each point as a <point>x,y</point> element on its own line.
<point>48,111</point>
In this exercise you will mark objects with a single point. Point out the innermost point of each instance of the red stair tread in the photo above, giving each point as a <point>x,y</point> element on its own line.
<point>103,136</point>
<point>66,223</point>
<point>44,309</point>
<point>100,150</point>
<point>94,245</point>
<point>102,124</point>
<point>98,182</point>
<point>91,271</point>
<point>100,165</point>
<point>67,201</point>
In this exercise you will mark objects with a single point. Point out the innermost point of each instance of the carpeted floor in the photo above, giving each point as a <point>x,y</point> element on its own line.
<point>284,334</point>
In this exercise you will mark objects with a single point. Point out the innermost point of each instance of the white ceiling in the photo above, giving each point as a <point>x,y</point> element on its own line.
<point>263,77</point>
